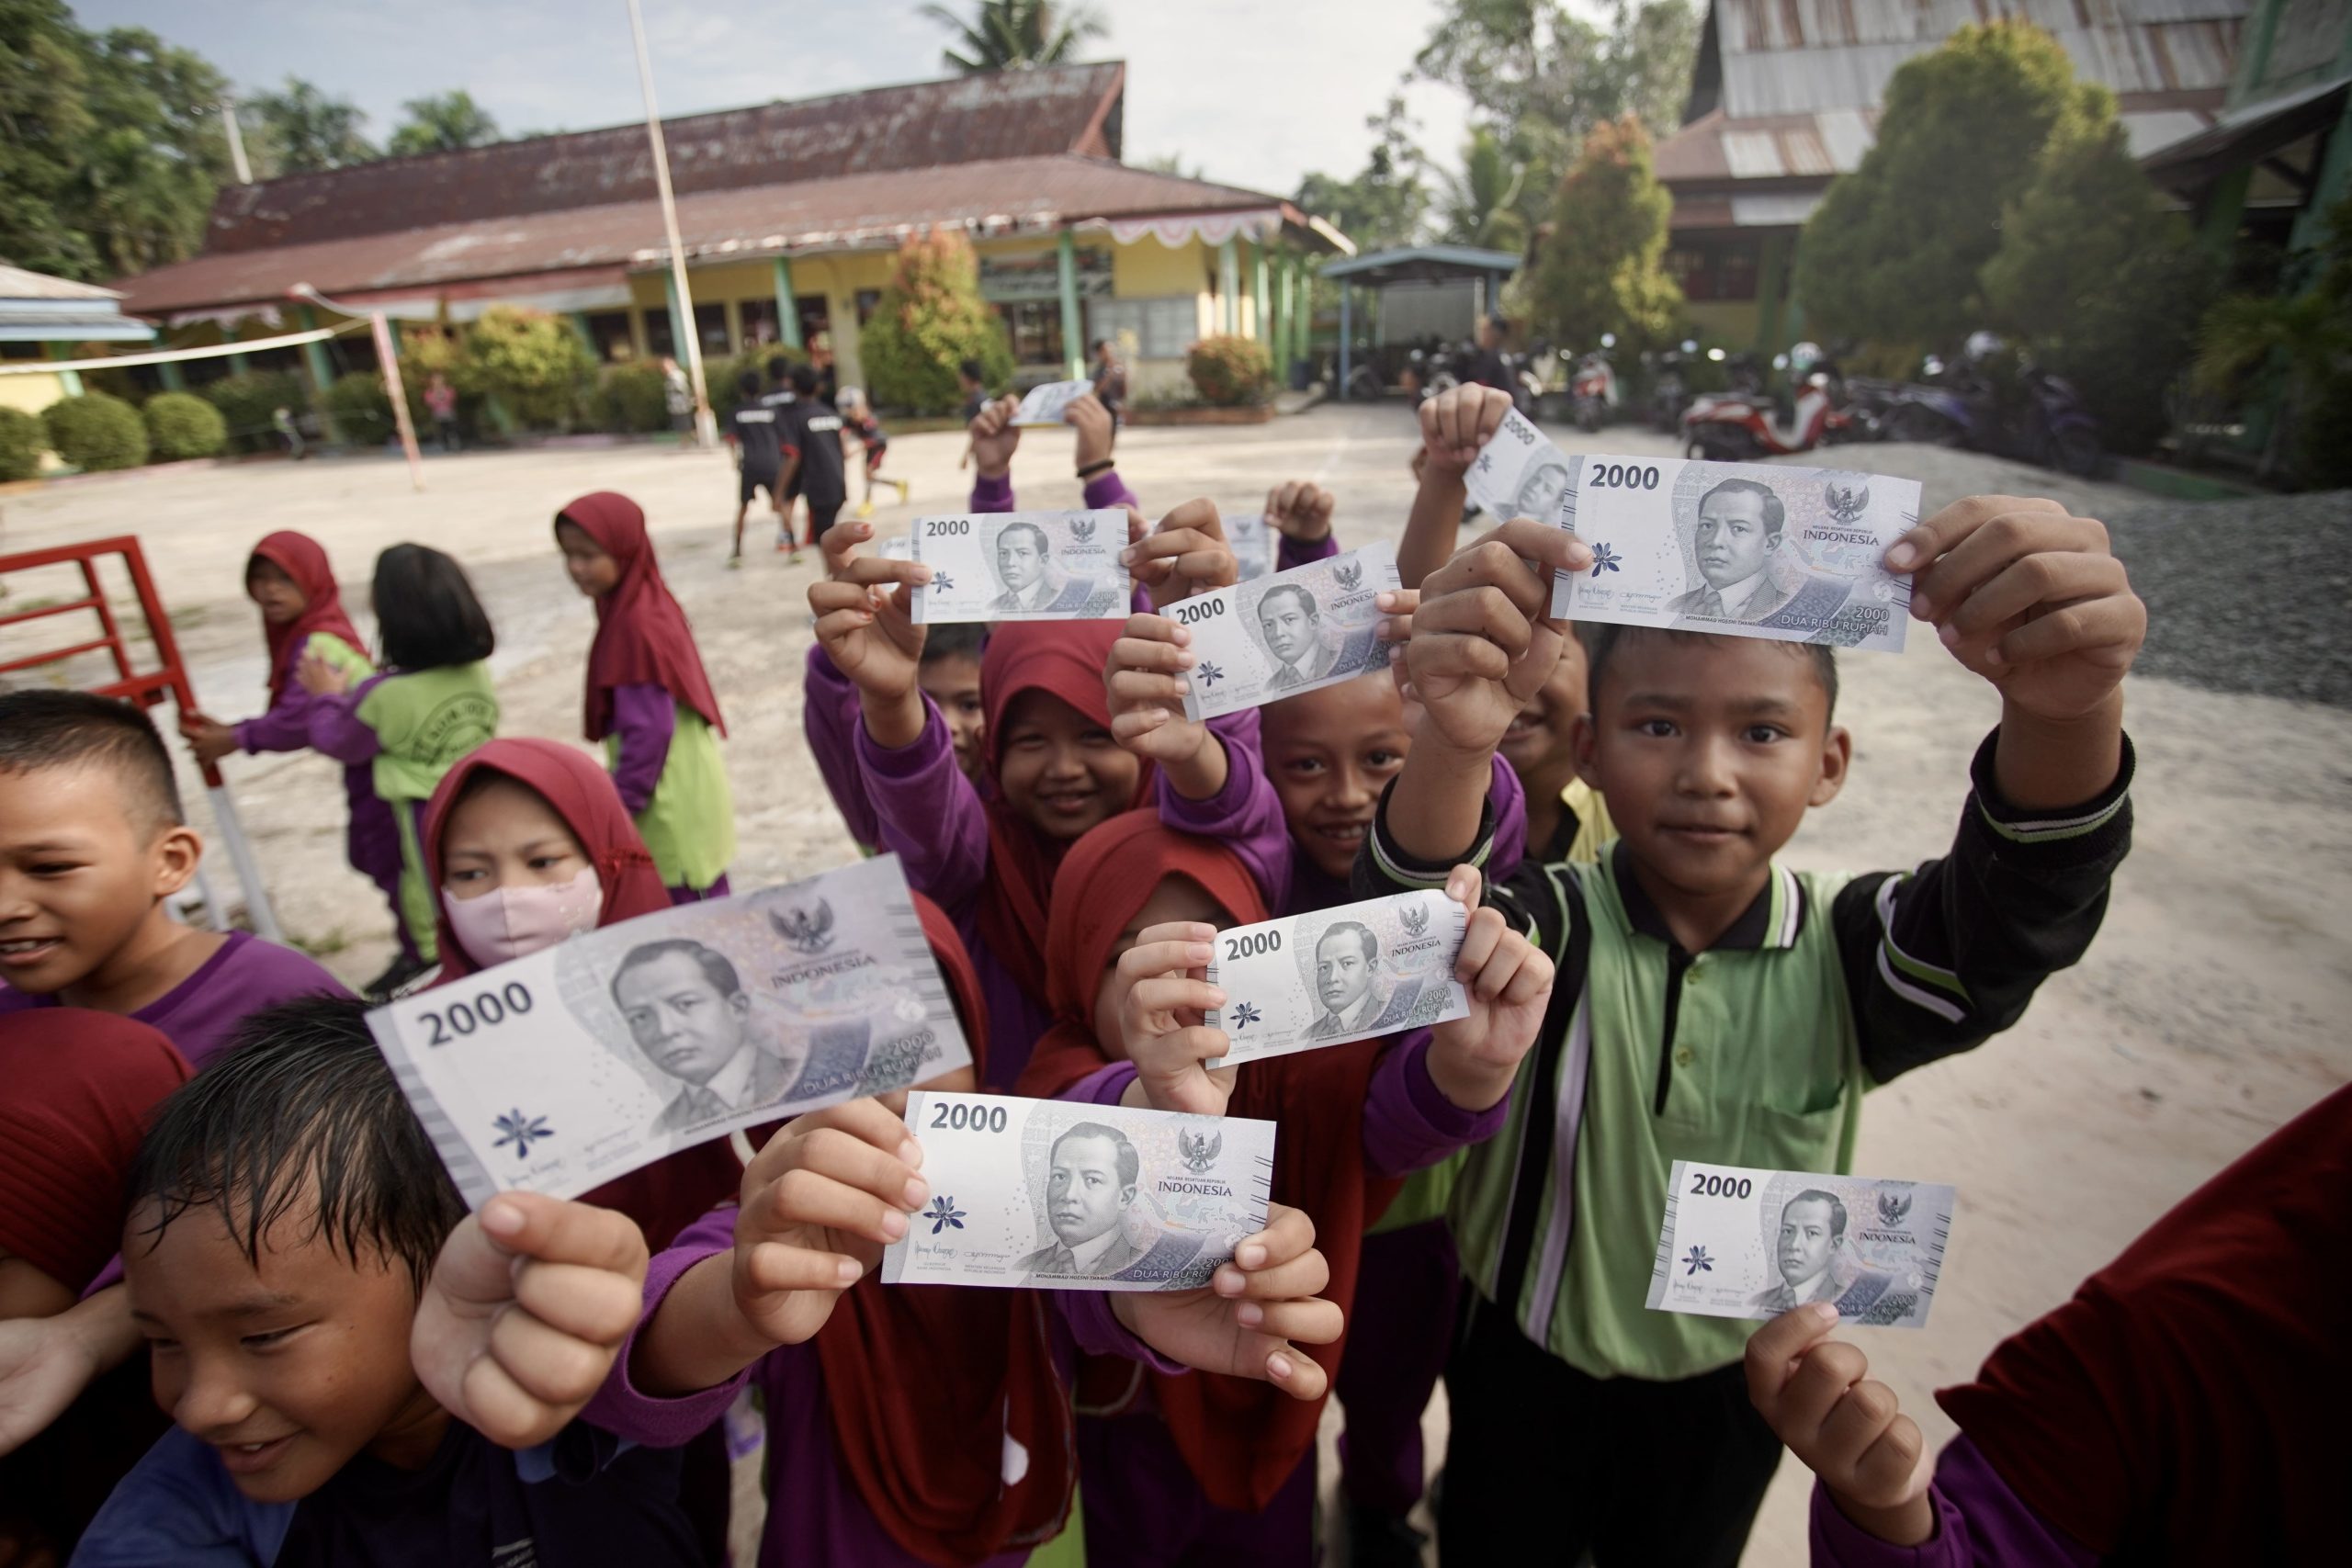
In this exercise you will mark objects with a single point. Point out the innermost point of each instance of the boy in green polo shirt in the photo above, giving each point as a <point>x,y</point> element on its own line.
<point>1713,1004</point>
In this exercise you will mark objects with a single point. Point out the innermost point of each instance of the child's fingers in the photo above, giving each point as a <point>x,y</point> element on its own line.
<point>1169,657</point>
<point>1308,1320</point>
<point>597,1305</point>
<point>499,1408</point>
<point>1434,656</point>
<point>1773,1350</point>
<point>827,596</point>
<point>775,1268</point>
<point>1175,993</point>
<point>1175,954</point>
<point>864,1119</point>
<point>1545,642</point>
<point>1299,1375</point>
<point>1464,884</point>
<point>2107,631</point>
<point>1136,723</point>
<point>1144,686</point>
<point>838,546</point>
<point>2044,578</point>
<point>1494,405</point>
<point>533,1224</point>
<point>1190,1046</point>
<point>1858,1418</point>
<point>1931,538</point>
<point>1824,1375</point>
<point>545,1362</point>
<point>1487,614</point>
<point>1289,1232</point>
<point>1894,1469</point>
<point>804,1198</point>
<point>1157,631</point>
<point>1198,516</point>
<point>1991,547</point>
<point>875,571</point>
<point>1531,979</point>
<point>1483,931</point>
<point>1308,1274</point>
<point>1490,563</point>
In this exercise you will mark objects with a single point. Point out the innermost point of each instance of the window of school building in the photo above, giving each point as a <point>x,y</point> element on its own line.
<point>1035,329</point>
<point>1145,329</point>
<point>608,334</point>
<point>1714,268</point>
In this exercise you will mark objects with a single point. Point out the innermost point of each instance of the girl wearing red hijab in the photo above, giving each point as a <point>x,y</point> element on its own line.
<point>912,1425</point>
<point>288,578</point>
<point>528,844</point>
<point>649,700</point>
<point>2187,1406</point>
<point>1190,1467</point>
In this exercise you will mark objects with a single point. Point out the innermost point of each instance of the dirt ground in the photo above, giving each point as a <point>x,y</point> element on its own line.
<point>2209,1012</point>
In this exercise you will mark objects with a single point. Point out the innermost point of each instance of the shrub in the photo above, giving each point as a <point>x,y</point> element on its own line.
<point>632,400</point>
<point>360,408</point>
<point>22,441</point>
<point>533,363</point>
<point>1230,371</point>
<point>181,425</point>
<point>94,432</point>
<point>930,318</point>
<point>248,401</point>
<point>1600,264</point>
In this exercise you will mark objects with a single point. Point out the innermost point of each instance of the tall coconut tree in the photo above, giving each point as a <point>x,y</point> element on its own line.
<point>1013,35</point>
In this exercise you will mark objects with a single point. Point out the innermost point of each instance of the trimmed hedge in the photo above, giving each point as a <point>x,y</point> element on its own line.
<point>1230,371</point>
<point>181,425</point>
<point>361,410</point>
<point>22,441</point>
<point>633,399</point>
<point>95,433</point>
<point>249,400</point>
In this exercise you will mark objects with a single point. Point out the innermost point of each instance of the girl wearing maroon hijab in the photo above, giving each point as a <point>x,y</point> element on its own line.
<point>288,578</point>
<point>1183,1467</point>
<point>649,700</point>
<point>2187,1406</point>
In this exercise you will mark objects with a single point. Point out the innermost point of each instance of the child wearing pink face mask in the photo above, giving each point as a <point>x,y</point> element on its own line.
<point>528,844</point>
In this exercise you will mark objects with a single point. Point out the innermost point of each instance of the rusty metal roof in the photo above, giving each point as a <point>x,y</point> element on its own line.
<point>998,197</point>
<point>998,115</point>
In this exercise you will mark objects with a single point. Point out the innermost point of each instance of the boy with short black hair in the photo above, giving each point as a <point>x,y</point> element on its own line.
<point>972,383</point>
<point>1714,1004</point>
<point>345,1350</point>
<point>811,437</point>
<point>751,431</point>
<point>93,846</point>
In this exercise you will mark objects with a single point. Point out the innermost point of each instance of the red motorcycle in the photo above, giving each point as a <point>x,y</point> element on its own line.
<point>1738,427</point>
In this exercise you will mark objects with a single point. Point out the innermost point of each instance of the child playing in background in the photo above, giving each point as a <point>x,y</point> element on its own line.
<point>92,846</point>
<point>347,1354</point>
<point>649,700</point>
<point>1714,1004</point>
<point>812,438</point>
<point>432,704</point>
<point>859,419</point>
<point>751,431</point>
<point>301,611</point>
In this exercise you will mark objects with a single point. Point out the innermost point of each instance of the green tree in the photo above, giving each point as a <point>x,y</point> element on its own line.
<point>300,130</point>
<point>1481,204</point>
<point>1002,35</point>
<point>2301,337</point>
<point>1896,247</point>
<point>44,120</point>
<point>1385,205</point>
<point>442,122</point>
<point>532,362</point>
<point>1598,266</point>
<point>1171,163</point>
<point>930,318</point>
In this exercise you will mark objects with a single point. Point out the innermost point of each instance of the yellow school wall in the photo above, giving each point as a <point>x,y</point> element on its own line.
<point>31,392</point>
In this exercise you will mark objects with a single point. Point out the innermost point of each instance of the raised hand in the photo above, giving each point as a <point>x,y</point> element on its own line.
<point>1255,1313</point>
<point>1456,423</point>
<point>1185,555</point>
<point>1145,682</point>
<point>1300,510</point>
<point>1474,1058</point>
<point>1096,429</point>
<point>320,679</point>
<point>1816,1394</point>
<point>1483,643</point>
<point>865,619</point>
<point>1164,976</point>
<point>529,1301</point>
<point>820,1201</point>
<point>995,437</point>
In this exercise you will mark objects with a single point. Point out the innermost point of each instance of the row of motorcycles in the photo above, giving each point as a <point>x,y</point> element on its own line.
<point>1991,400</point>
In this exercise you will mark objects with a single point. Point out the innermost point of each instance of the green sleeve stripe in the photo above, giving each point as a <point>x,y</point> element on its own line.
<point>1411,878</point>
<point>1916,968</point>
<point>2053,830</point>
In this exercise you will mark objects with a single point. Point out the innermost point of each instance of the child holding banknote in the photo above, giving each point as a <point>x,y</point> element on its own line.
<point>1714,1004</point>
<point>1209,1465</point>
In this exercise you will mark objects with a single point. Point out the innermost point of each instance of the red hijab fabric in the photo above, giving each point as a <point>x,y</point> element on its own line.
<point>1242,1437</point>
<point>2187,1405</point>
<point>917,1375</point>
<point>642,637</point>
<point>82,1085</point>
<point>304,560</point>
<point>666,1197</point>
<point>1064,659</point>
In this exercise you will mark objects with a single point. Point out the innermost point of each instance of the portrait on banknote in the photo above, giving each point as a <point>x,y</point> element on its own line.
<point>1092,1175</point>
<point>1541,485</point>
<point>1739,557</point>
<point>1355,977</point>
<point>1814,1262</point>
<point>1302,644</point>
<point>1030,580</point>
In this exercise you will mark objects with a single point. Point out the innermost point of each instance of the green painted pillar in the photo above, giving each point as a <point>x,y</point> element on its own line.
<point>1285,317</point>
<point>1301,279</point>
<point>2217,226</point>
<point>1258,293</point>
<point>579,319</point>
<point>238,363</point>
<point>2328,186</point>
<point>1229,288</point>
<point>787,309</point>
<point>679,326</point>
<point>314,358</point>
<point>71,380</point>
<point>173,381</point>
<point>1073,333</point>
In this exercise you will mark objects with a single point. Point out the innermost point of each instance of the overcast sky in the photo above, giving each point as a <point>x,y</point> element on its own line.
<point>1255,93</point>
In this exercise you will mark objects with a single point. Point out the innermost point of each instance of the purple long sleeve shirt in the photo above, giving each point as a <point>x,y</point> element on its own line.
<point>815,1512</point>
<point>201,1014</point>
<point>644,718</point>
<point>372,842</point>
<point>1980,1523</point>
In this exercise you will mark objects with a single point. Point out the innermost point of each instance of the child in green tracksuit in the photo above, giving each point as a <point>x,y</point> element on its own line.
<point>432,704</point>
<point>1714,1004</point>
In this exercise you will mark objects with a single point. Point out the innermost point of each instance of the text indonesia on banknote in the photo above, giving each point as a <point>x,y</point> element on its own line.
<point>1750,549</point>
<point>1260,640</point>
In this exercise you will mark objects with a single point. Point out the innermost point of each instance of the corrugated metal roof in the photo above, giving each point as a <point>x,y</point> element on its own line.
<point>16,283</point>
<point>998,116</point>
<point>1005,196</point>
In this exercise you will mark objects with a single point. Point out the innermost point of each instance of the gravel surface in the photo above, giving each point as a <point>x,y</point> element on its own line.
<point>2245,595</point>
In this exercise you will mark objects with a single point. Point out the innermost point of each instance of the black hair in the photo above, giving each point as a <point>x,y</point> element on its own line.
<point>953,641</point>
<point>972,370</point>
<point>1501,322</point>
<point>1096,346</point>
<point>46,729</point>
<point>1369,943</point>
<point>1044,545</point>
<point>1816,1195</point>
<point>779,369</point>
<point>1776,513</point>
<point>427,614</point>
<point>748,383</point>
<point>257,563</point>
<point>1305,598</point>
<point>302,1110</point>
<point>1130,1163</point>
<point>1602,643</point>
<point>715,965</point>
<point>804,379</point>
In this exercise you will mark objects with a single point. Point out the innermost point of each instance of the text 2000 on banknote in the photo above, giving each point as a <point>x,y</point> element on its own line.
<point>481,1010</point>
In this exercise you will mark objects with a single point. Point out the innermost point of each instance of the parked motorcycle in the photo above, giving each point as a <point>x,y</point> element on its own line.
<point>1594,389</point>
<point>1669,390</point>
<point>1740,427</point>
<point>2038,417</point>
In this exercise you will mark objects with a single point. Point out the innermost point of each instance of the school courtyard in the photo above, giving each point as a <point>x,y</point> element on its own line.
<point>2209,1011</point>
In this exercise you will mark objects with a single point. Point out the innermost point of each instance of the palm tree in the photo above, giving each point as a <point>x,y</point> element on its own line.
<point>1016,34</point>
<point>443,122</point>
<point>1482,201</point>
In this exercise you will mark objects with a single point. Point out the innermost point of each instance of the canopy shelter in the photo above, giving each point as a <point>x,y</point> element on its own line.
<point>1416,291</point>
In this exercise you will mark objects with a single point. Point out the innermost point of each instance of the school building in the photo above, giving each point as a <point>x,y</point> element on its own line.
<point>1786,94</point>
<point>790,214</point>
